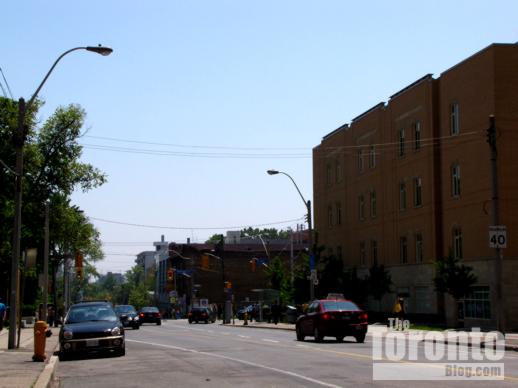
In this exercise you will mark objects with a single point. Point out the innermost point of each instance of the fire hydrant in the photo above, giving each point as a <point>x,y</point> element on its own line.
<point>41,332</point>
<point>245,318</point>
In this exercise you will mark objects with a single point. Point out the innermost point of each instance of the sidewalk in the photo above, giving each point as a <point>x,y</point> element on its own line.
<point>511,339</point>
<point>18,370</point>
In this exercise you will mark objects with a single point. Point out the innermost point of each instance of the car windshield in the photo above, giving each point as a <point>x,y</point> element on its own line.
<point>149,310</point>
<point>125,310</point>
<point>94,313</point>
<point>340,305</point>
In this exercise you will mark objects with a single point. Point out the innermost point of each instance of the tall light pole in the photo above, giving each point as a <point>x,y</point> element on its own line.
<point>19,141</point>
<point>310,237</point>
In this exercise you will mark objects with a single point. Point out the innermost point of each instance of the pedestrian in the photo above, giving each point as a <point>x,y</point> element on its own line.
<point>276,312</point>
<point>3,310</point>
<point>399,310</point>
<point>51,315</point>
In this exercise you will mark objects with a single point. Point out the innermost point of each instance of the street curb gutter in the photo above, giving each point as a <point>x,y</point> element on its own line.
<point>45,378</point>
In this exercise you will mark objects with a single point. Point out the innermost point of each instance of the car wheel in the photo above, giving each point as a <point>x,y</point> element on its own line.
<point>120,352</point>
<point>159,323</point>
<point>300,335</point>
<point>340,338</point>
<point>318,335</point>
<point>136,327</point>
<point>62,356</point>
<point>360,338</point>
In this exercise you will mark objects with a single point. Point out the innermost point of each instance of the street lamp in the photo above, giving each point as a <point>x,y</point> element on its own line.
<point>310,237</point>
<point>19,140</point>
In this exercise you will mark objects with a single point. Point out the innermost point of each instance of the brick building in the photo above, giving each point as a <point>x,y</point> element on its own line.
<point>241,263</point>
<point>409,180</point>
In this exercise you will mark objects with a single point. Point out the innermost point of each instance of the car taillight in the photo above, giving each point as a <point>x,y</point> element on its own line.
<point>157,314</point>
<point>141,314</point>
<point>364,317</point>
<point>325,316</point>
<point>204,314</point>
<point>189,315</point>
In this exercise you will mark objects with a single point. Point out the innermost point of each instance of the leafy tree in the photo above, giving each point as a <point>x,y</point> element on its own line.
<point>380,282</point>
<point>301,281</point>
<point>52,171</point>
<point>215,238</point>
<point>279,280</point>
<point>331,269</point>
<point>355,288</point>
<point>452,277</point>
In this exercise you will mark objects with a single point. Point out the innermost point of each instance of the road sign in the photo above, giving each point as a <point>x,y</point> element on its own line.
<point>497,236</point>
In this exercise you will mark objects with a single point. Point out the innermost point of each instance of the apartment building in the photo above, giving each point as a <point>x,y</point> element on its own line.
<point>410,180</point>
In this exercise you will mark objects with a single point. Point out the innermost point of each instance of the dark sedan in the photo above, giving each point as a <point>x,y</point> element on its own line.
<point>128,316</point>
<point>91,327</point>
<point>201,314</point>
<point>150,315</point>
<point>333,318</point>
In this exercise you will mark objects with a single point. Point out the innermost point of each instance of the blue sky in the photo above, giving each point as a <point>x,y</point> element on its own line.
<point>200,98</point>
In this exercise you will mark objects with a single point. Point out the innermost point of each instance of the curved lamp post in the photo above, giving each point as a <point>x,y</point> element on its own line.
<point>310,237</point>
<point>19,140</point>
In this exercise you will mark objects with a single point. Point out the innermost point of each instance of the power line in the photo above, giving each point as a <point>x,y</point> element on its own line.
<point>193,228</point>
<point>195,146</point>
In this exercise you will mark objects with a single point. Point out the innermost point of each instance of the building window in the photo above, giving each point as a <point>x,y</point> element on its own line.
<point>362,253</point>
<point>457,243</point>
<point>361,207</point>
<point>417,135</point>
<point>401,142</point>
<point>338,172</point>
<point>418,248</point>
<point>477,304</point>
<point>402,196</point>
<point>338,214</point>
<point>360,160</point>
<point>374,252</point>
<point>455,180</point>
<point>418,192</point>
<point>373,203</point>
<point>328,174</point>
<point>454,119</point>
<point>372,157</point>
<point>403,252</point>
<point>329,216</point>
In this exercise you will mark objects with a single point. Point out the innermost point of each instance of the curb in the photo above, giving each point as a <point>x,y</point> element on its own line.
<point>46,377</point>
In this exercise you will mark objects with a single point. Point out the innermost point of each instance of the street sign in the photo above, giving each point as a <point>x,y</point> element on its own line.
<point>497,236</point>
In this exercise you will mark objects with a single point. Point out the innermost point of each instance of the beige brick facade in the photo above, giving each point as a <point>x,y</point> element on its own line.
<point>410,179</point>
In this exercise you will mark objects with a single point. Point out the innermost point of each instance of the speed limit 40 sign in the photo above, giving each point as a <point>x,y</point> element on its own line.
<point>497,236</point>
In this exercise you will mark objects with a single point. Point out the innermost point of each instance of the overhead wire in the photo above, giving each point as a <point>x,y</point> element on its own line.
<point>194,228</point>
<point>6,84</point>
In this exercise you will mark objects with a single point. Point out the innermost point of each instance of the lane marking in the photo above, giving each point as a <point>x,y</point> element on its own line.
<point>244,336</point>
<point>252,364</point>
<point>270,340</point>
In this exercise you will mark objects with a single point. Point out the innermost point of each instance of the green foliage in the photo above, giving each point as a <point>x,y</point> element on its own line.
<point>452,277</point>
<point>52,171</point>
<point>355,288</point>
<point>380,281</point>
<point>279,279</point>
<point>266,233</point>
<point>332,276</point>
<point>215,238</point>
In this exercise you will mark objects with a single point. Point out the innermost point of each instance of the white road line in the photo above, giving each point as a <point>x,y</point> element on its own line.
<point>253,364</point>
<point>243,336</point>
<point>269,340</point>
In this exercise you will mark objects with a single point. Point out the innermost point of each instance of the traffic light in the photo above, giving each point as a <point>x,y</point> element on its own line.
<point>253,264</point>
<point>170,274</point>
<point>79,265</point>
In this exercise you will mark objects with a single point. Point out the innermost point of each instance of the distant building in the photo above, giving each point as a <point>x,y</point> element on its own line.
<point>410,180</point>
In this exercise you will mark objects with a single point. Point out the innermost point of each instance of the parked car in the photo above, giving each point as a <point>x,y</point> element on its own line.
<point>201,314</point>
<point>91,327</point>
<point>150,315</point>
<point>333,318</point>
<point>128,316</point>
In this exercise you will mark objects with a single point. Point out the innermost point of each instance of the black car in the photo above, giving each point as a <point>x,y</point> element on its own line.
<point>91,327</point>
<point>150,315</point>
<point>201,314</point>
<point>128,316</point>
<point>334,318</point>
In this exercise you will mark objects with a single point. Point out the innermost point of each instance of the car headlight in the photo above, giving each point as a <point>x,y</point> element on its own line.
<point>130,318</point>
<point>67,334</point>
<point>116,331</point>
<point>136,318</point>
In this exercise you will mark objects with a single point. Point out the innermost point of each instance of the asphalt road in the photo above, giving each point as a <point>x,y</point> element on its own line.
<point>177,354</point>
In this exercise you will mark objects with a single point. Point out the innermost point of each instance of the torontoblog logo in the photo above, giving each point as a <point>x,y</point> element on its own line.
<point>402,354</point>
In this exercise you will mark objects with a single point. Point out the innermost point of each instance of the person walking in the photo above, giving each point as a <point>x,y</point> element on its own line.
<point>399,312</point>
<point>3,310</point>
